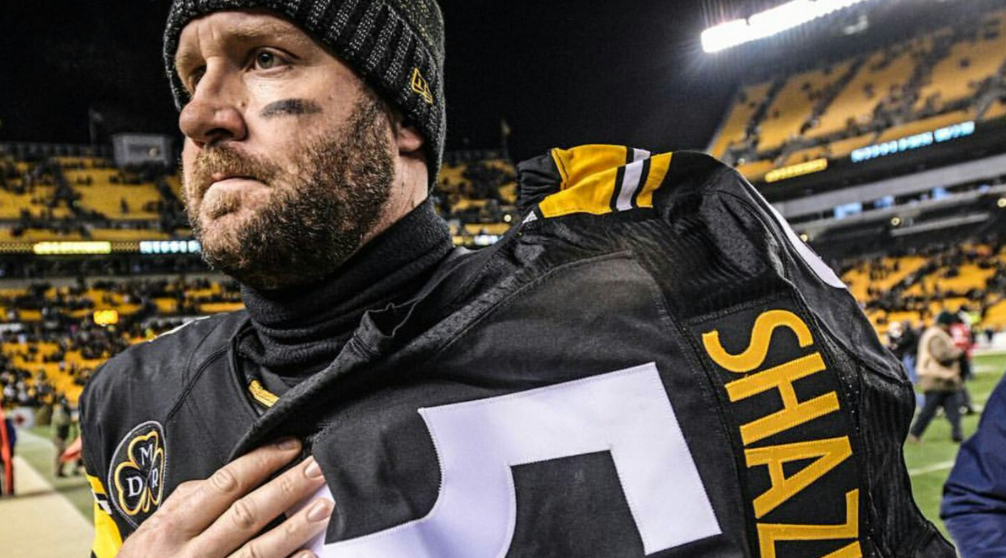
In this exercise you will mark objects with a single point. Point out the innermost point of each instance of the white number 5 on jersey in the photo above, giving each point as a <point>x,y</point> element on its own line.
<point>626,413</point>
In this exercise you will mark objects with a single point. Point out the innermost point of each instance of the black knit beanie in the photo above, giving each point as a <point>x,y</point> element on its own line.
<point>396,46</point>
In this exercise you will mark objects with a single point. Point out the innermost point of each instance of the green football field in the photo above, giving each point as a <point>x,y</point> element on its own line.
<point>929,462</point>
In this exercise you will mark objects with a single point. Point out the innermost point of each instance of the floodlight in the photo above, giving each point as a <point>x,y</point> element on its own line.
<point>770,22</point>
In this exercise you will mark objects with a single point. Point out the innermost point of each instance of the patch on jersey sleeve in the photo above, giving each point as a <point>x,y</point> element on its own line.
<point>791,426</point>
<point>136,475</point>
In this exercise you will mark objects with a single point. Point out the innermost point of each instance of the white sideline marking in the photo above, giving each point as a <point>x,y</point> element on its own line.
<point>941,466</point>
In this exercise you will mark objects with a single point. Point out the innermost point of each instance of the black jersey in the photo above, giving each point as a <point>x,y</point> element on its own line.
<point>650,364</point>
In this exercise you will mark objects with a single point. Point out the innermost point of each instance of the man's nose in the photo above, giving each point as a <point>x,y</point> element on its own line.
<point>215,112</point>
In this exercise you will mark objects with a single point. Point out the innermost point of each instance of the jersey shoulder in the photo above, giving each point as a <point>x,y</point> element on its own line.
<point>606,179</point>
<point>153,372</point>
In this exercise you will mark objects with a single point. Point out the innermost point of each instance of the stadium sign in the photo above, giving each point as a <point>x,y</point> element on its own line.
<point>169,247</point>
<point>793,171</point>
<point>911,143</point>
<point>71,248</point>
<point>141,149</point>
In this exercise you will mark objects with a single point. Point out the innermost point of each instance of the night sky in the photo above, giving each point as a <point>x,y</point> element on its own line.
<point>561,73</point>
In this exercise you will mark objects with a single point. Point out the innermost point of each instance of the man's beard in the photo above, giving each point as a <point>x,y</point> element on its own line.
<point>314,220</point>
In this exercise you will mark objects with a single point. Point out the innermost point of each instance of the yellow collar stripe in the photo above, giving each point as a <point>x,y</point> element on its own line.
<point>598,179</point>
<point>261,394</point>
<point>659,166</point>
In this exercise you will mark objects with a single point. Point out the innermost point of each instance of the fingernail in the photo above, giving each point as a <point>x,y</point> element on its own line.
<point>320,510</point>
<point>313,470</point>
<point>288,444</point>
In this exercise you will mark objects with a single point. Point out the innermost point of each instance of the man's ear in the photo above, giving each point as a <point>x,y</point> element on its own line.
<point>408,139</point>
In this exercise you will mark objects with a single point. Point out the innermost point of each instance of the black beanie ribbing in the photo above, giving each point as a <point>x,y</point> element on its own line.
<point>396,46</point>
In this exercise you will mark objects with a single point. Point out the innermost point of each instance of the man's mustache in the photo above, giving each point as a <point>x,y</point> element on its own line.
<point>230,163</point>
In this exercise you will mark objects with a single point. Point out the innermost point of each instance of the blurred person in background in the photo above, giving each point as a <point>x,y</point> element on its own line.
<point>61,422</point>
<point>974,496</point>
<point>903,341</point>
<point>939,369</point>
<point>8,440</point>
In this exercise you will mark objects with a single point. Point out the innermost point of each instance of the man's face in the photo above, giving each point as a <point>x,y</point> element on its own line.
<point>289,158</point>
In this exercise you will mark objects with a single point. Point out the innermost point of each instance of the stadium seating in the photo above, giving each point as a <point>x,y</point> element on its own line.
<point>883,73</point>
<point>996,110</point>
<point>971,60</point>
<point>65,361</point>
<point>945,77</point>
<point>755,170</point>
<point>735,127</point>
<point>915,288</point>
<point>116,201</point>
<point>793,104</point>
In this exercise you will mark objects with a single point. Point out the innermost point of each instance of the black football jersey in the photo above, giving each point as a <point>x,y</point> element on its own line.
<point>650,364</point>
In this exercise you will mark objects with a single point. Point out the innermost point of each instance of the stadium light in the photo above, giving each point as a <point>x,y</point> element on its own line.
<point>106,318</point>
<point>770,22</point>
<point>1001,203</point>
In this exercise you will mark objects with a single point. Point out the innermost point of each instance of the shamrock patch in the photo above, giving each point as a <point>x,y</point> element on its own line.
<point>136,479</point>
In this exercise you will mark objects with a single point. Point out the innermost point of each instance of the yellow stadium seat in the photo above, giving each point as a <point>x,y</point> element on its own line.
<point>843,148</point>
<point>792,105</point>
<point>107,198</point>
<point>755,170</point>
<point>872,83</point>
<point>924,125</point>
<point>734,128</point>
<point>970,61</point>
<point>996,111</point>
<point>804,155</point>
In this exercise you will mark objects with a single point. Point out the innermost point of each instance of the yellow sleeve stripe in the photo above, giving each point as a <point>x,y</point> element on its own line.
<point>659,166</point>
<point>107,539</point>
<point>599,179</point>
<point>96,487</point>
<point>261,394</point>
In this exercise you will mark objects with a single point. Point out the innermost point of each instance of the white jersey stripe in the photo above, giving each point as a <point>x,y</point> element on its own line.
<point>631,181</point>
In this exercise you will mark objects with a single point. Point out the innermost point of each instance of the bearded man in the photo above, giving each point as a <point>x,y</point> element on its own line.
<point>649,364</point>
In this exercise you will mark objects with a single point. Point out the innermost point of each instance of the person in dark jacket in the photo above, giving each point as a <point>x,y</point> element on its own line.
<point>903,341</point>
<point>650,363</point>
<point>974,496</point>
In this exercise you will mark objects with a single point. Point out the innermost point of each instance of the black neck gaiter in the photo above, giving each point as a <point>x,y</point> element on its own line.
<point>299,330</point>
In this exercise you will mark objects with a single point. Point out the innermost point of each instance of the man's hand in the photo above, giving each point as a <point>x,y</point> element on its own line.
<point>220,516</point>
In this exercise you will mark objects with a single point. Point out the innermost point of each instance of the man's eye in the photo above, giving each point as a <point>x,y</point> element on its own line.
<point>265,60</point>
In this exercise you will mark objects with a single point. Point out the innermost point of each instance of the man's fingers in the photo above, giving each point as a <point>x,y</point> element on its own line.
<point>285,539</point>
<point>215,495</point>
<point>250,514</point>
